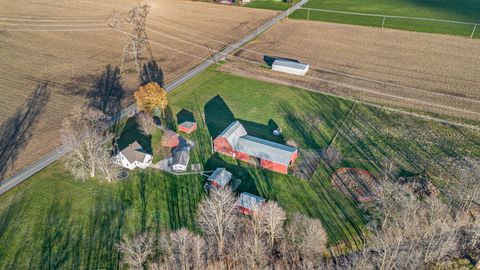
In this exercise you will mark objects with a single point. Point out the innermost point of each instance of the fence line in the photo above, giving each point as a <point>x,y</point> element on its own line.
<point>391,17</point>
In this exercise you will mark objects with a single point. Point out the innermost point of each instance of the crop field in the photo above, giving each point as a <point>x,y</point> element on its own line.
<point>51,221</point>
<point>463,11</point>
<point>64,54</point>
<point>417,71</point>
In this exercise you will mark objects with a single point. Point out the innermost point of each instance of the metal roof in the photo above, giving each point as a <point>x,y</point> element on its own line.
<point>290,64</point>
<point>250,201</point>
<point>188,124</point>
<point>221,176</point>
<point>134,152</point>
<point>181,155</point>
<point>233,132</point>
<point>264,149</point>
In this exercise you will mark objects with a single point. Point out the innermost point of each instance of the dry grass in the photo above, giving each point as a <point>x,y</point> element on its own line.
<point>429,72</point>
<point>72,62</point>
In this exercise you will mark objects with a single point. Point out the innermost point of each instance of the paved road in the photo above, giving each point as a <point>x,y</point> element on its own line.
<point>26,172</point>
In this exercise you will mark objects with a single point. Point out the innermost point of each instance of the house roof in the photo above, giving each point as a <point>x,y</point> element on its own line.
<point>233,132</point>
<point>263,149</point>
<point>290,64</point>
<point>181,155</point>
<point>221,176</point>
<point>188,124</point>
<point>134,152</point>
<point>249,201</point>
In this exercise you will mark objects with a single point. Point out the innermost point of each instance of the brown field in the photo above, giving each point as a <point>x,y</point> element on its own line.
<point>438,74</point>
<point>72,63</point>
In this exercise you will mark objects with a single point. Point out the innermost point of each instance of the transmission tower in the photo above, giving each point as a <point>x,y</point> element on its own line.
<point>137,48</point>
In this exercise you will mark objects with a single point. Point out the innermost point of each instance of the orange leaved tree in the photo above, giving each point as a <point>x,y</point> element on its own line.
<point>151,96</point>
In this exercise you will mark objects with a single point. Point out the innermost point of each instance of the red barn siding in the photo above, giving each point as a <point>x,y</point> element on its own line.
<point>242,156</point>
<point>270,165</point>
<point>221,145</point>
<point>187,130</point>
<point>245,211</point>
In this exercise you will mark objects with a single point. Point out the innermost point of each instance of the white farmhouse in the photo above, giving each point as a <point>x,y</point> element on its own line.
<point>180,158</point>
<point>290,67</point>
<point>133,156</point>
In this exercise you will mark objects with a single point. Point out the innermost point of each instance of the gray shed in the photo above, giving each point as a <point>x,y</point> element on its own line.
<point>220,177</point>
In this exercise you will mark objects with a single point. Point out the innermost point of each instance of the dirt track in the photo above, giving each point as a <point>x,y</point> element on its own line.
<point>433,73</point>
<point>68,46</point>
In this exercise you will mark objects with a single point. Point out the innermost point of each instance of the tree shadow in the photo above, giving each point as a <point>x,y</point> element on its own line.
<point>16,132</point>
<point>152,73</point>
<point>132,133</point>
<point>185,115</point>
<point>108,92</point>
<point>217,115</point>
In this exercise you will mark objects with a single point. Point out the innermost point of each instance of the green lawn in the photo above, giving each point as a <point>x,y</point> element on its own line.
<point>465,11</point>
<point>52,221</point>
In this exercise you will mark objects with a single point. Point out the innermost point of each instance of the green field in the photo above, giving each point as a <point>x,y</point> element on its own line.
<point>269,4</point>
<point>52,221</point>
<point>464,11</point>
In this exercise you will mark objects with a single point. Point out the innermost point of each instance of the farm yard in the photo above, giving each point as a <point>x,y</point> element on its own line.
<point>65,55</point>
<point>437,74</point>
<point>461,11</point>
<point>53,221</point>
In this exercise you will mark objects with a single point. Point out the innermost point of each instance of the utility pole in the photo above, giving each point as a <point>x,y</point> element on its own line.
<point>137,48</point>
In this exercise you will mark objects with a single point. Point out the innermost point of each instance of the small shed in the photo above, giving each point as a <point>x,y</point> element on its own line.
<point>220,177</point>
<point>180,158</point>
<point>289,66</point>
<point>187,127</point>
<point>248,203</point>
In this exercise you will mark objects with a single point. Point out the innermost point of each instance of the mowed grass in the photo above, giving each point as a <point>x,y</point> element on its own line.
<point>463,11</point>
<point>53,221</point>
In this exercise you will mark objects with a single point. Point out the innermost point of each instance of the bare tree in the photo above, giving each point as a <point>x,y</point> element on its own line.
<point>187,250</point>
<point>85,136</point>
<point>136,250</point>
<point>331,155</point>
<point>414,233</point>
<point>145,123</point>
<point>305,242</point>
<point>272,217</point>
<point>216,218</point>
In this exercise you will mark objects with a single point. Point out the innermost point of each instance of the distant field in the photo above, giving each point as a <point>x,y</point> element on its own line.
<point>464,11</point>
<point>51,221</point>
<point>269,4</point>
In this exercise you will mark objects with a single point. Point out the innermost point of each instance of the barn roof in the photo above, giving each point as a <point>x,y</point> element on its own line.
<point>249,201</point>
<point>233,132</point>
<point>263,149</point>
<point>188,124</point>
<point>221,176</point>
<point>181,155</point>
<point>290,64</point>
<point>134,152</point>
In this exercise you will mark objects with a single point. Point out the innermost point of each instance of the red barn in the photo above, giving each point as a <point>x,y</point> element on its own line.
<point>235,142</point>
<point>187,127</point>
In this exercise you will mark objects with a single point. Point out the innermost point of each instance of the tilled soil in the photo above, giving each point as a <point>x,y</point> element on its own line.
<point>434,73</point>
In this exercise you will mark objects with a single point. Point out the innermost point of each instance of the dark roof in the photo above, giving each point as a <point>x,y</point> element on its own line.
<point>250,201</point>
<point>233,132</point>
<point>181,155</point>
<point>221,176</point>
<point>134,152</point>
<point>188,124</point>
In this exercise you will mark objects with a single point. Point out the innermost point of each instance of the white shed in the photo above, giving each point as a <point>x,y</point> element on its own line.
<point>290,67</point>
